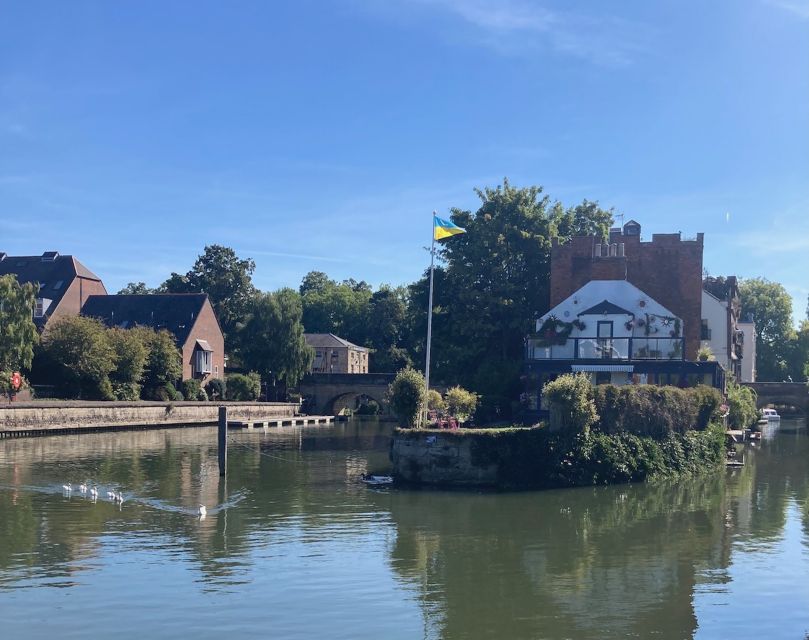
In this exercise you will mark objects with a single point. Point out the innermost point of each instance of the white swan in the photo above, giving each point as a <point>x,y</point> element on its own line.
<point>202,511</point>
<point>94,492</point>
<point>119,498</point>
<point>67,487</point>
<point>111,494</point>
<point>83,488</point>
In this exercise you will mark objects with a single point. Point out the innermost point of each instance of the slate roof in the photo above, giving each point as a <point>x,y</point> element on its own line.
<point>54,275</point>
<point>605,306</point>
<point>329,340</point>
<point>176,312</point>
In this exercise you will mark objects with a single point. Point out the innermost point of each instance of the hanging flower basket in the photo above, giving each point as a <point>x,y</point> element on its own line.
<point>554,332</point>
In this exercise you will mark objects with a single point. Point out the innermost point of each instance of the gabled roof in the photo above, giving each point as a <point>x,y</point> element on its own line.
<point>53,272</point>
<point>177,312</point>
<point>326,340</point>
<point>605,307</point>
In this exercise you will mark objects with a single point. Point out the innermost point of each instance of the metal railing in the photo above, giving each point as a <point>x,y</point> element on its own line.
<point>607,349</point>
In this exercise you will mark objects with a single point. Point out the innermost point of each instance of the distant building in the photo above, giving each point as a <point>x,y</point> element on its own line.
<point>336,355</point>
<point>720,323</point>
<point>623,312</point>
<point>65,284</point>
<point>189,316</point>
<point>747,329</point>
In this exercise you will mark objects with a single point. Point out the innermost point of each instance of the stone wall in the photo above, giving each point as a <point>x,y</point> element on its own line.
<point>440,458</point>
<point>59,416</point>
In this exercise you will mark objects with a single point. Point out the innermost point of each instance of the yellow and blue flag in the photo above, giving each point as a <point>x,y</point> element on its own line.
<point>445,228</point>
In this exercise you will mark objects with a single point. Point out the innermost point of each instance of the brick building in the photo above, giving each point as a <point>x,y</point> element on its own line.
<point>189,316</point>
<point>623,312</point>
<point>336,355</point>
<point>668,269</point>
<point>65,284</point>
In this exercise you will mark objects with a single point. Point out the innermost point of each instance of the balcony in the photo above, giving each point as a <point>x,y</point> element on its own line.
<point>607,349</point>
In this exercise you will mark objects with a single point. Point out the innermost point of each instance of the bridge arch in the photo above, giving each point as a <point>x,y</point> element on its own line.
<point>352,400</point>
<point>793,394</point>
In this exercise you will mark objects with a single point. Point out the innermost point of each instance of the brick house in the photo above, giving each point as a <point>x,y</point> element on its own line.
<point>65,284</point>
<point>623,312</point>
<point>336,355</point>
<point>189,316</point>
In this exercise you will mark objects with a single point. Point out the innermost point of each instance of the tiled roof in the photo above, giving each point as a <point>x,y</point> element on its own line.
<point>325,340</point>
<point>176,312</point>
<point>54,275</point>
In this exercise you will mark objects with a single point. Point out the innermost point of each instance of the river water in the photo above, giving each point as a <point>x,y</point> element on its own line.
<point>293,546</point>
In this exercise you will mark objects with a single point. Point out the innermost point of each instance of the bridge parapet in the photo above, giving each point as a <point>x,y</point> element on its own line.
<point>795,394</point>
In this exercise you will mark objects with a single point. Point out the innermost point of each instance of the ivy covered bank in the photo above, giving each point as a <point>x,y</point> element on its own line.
<point>596,435</point>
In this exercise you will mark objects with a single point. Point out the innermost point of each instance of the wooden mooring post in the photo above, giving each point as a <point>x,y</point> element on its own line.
<point>223,441</point>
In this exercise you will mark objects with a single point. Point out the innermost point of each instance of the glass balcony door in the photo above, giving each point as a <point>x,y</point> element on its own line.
<point>604,338</point>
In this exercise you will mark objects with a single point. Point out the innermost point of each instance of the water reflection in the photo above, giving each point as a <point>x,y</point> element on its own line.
<point>292,526</point>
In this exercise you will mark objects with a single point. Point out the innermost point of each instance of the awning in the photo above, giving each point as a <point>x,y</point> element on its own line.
<point>625,368</point>
<point>203,344</point>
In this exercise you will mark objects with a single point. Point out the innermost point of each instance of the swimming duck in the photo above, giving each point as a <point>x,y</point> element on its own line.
<point>202,510</point>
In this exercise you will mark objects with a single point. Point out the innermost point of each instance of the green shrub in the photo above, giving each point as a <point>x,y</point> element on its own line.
<point>461,403</point>
<point>435,402</point>
<point>655,411</point>
<point>571,402</point>
<point>407,396</point>
<point>163,393</point>
<point>741,406</point>
<point>216,388</point>
<point>129,391</point>
<point>191,389</point>
<point>241,387</point>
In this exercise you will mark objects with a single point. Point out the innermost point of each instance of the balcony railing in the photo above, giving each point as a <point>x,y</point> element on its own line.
<point>607,349</point>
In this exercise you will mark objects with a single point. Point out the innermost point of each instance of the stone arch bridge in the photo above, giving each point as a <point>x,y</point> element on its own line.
<point>322,391</point>
<point>795,394</point>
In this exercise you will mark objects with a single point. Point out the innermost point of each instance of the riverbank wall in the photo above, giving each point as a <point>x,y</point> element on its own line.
<point>539,458</point>
<point>41,418</point>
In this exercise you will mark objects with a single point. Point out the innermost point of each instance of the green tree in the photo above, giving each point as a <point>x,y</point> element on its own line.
<point>131,347</point>
<point>81,356</point>
<point>493,283</point>
<point>136,288</point>
<point>435,401</point>
<point>226,279</point>
<point>272,338</point>
<point>407,396</point>
<point>164,365</point>
<point>18,333</point>
<point>338,308</point>
<point>461,403</point>
<point>771,307</point>
<point>386,327</point>
<point>244,388</point>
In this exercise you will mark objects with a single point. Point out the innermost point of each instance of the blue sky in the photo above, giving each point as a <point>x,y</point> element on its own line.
<point>321,135</point>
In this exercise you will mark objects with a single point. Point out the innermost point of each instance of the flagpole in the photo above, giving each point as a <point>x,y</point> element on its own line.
<point>429,324</point>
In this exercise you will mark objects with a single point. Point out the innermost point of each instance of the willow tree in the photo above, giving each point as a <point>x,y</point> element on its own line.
<point>18,333</point>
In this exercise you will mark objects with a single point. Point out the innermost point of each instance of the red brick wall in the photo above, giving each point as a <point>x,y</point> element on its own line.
<point>75,296</point>
<point>205,328</point>
<point>668,269</point>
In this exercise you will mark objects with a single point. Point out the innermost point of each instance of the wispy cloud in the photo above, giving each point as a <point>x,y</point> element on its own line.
<point>526,27</point>
<point>799,8</point>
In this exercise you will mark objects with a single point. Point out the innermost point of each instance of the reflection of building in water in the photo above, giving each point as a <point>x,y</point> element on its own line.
<point>619,561</point>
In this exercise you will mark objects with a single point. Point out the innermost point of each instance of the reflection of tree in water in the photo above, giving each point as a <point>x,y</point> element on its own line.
<point>573,563</point>
<point>166,474</point>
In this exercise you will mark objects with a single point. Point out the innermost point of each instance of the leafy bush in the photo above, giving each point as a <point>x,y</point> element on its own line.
<point>129,391</point>
<point>571,400</point>
<point>654,411</point>
<point>368,407</point>
<point>407,395</point>
<point>461,403</point>
<point>435,402</point>
<point>216,388</point>
<point>164,393</point>
<point>243,387</point>
<point>191,389</point>
<point>705,354</point>
<point>741,405</point>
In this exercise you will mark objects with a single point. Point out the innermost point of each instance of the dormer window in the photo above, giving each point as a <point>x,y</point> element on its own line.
<point>41,307</point>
